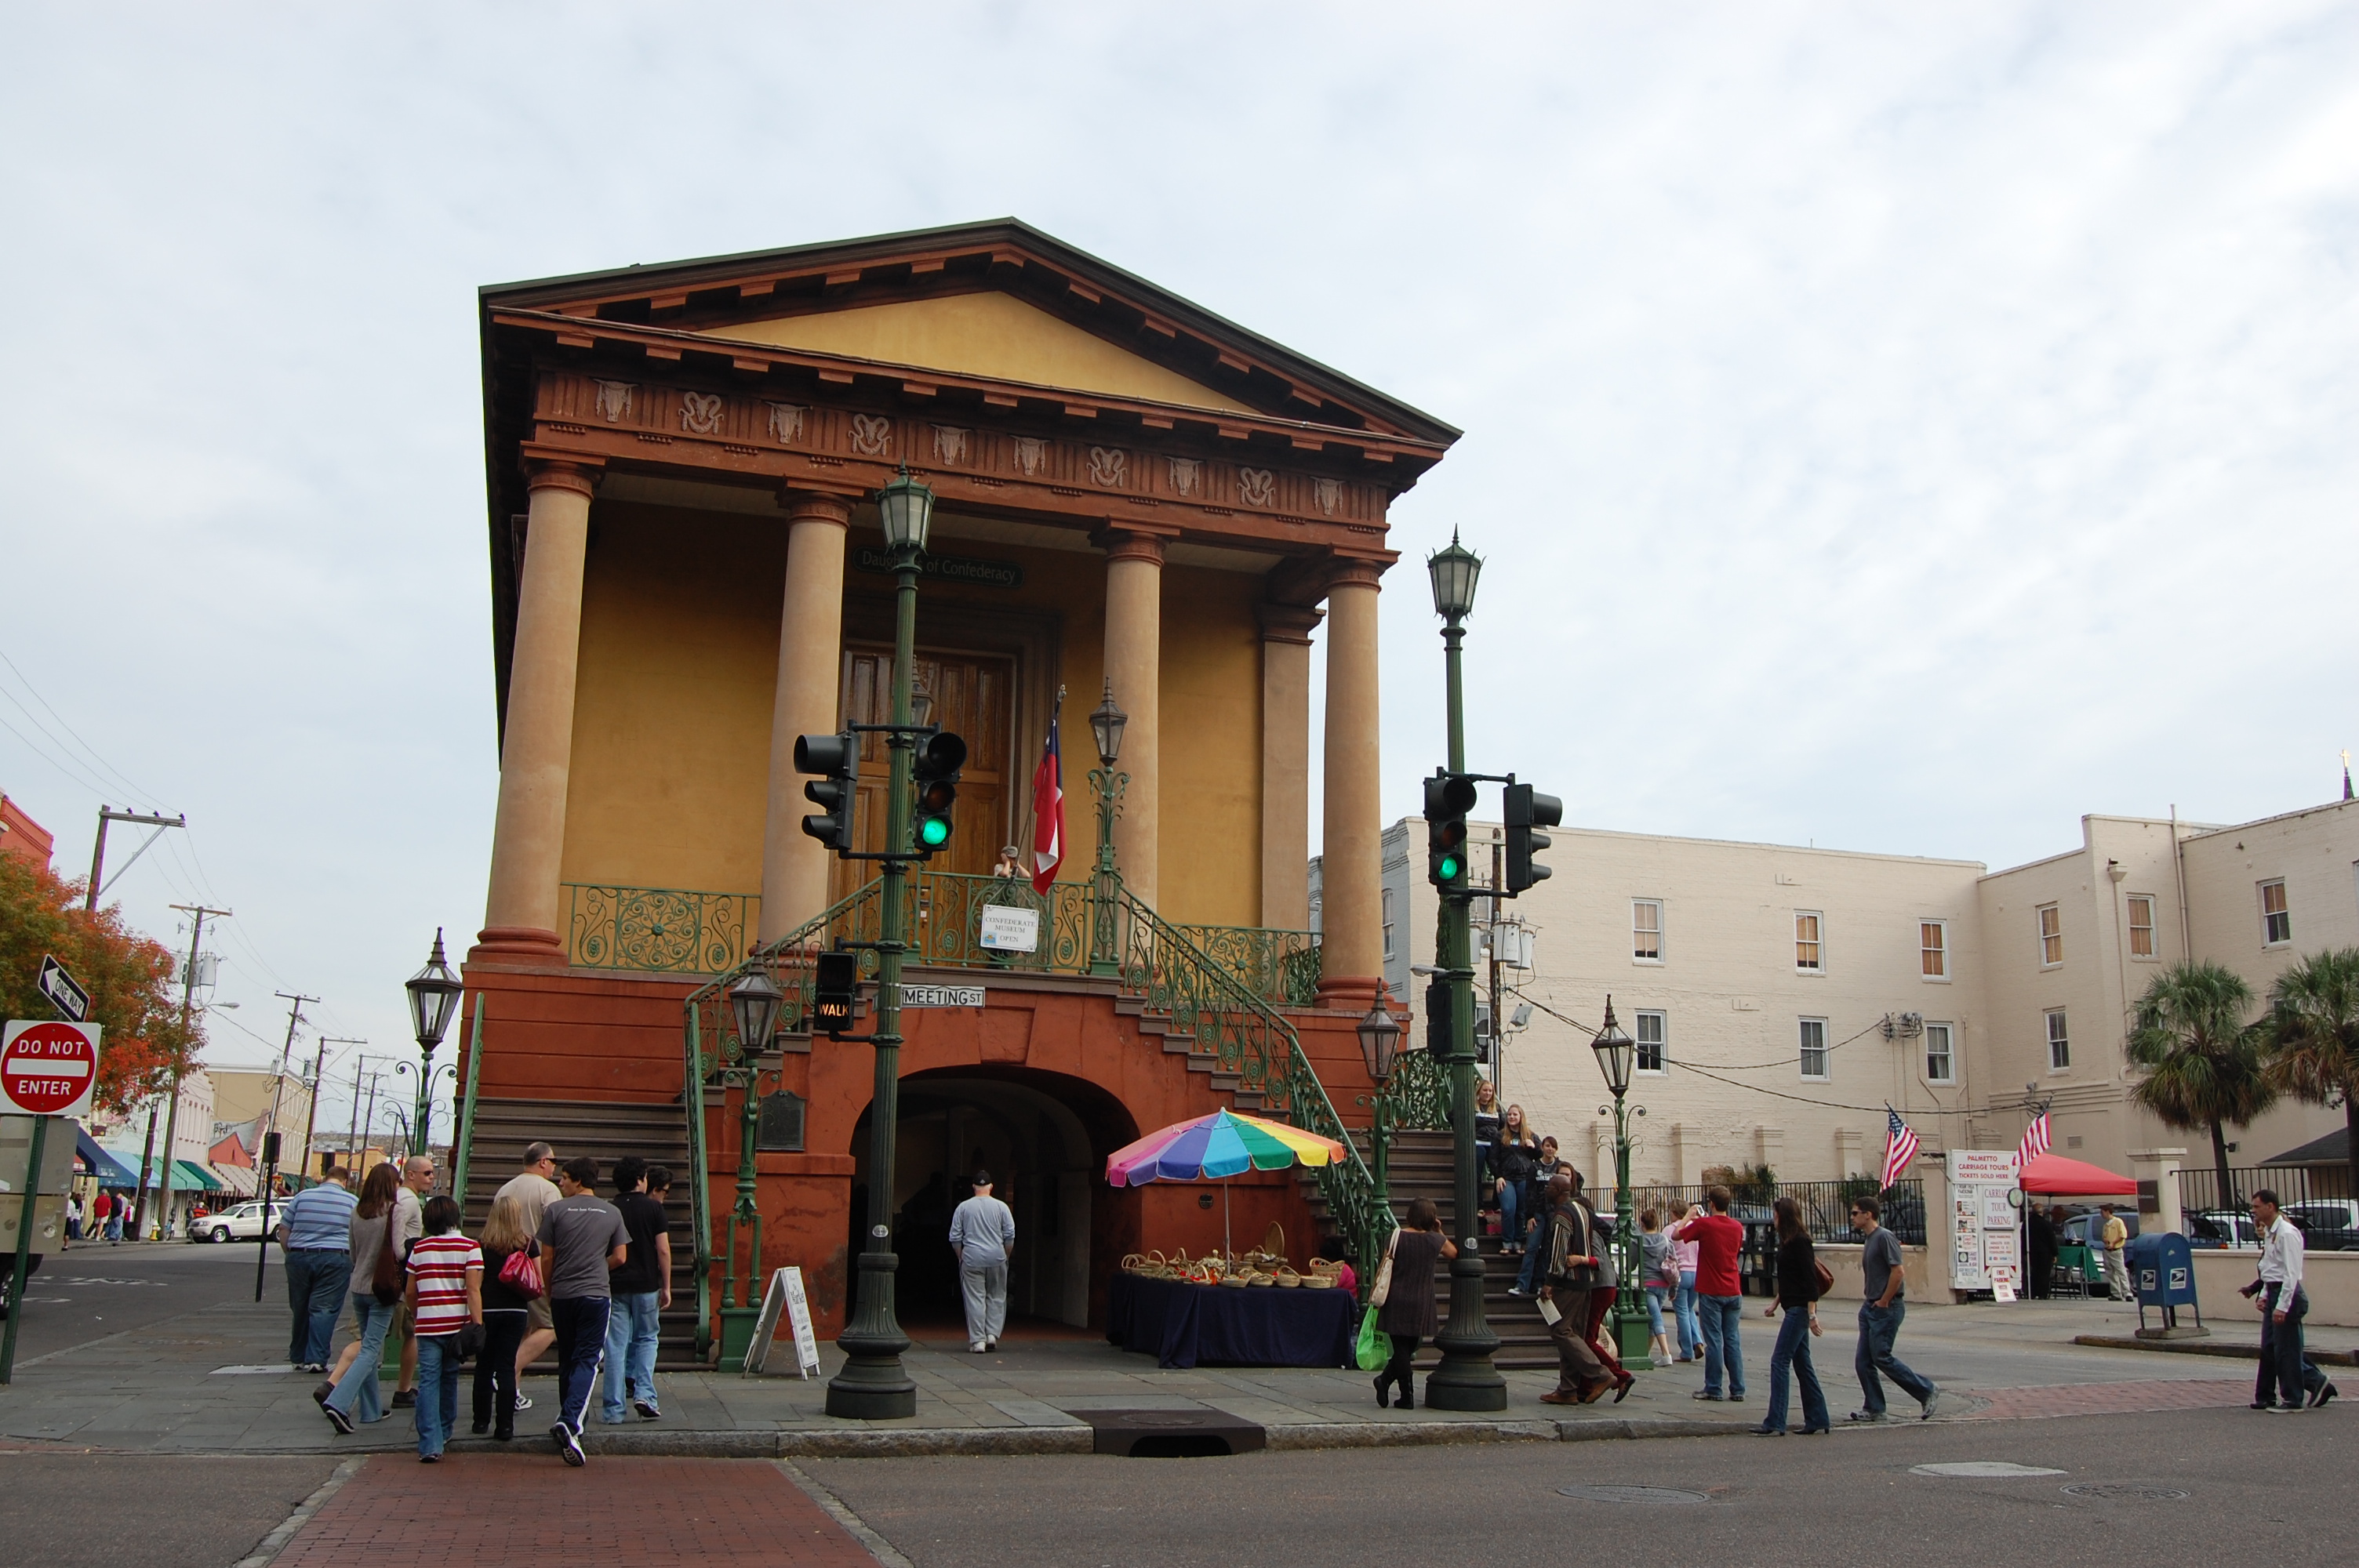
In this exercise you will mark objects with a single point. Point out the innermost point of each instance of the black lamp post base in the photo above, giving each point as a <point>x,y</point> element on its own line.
<point>1465,1381</point>
<point>873,1385</point>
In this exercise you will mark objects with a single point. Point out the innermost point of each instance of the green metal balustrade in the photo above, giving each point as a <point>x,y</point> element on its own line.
<point>1218,986</point>
<point>658,930</point>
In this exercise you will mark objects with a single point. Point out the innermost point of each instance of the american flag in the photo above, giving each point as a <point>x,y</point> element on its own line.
<point>1048,813</point>
<point>2035,1139</point>
<point>1899,1146</point>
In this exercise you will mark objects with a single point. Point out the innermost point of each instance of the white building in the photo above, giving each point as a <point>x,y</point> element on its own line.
<point>1783,997</point>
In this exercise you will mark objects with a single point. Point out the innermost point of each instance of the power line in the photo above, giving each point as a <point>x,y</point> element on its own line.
<point>87,749</point>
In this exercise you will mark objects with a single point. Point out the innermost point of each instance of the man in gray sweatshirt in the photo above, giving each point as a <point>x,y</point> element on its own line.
<point>982,1234</point>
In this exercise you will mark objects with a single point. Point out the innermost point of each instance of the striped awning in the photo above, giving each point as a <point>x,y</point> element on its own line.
<point>234,1179</point>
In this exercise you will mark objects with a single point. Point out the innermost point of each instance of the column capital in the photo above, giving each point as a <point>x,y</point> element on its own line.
<point>1354,571</point>
<point>804,505</point>
<point>554,469</point>
<point>1132,542</point>
<point>1289,623</point>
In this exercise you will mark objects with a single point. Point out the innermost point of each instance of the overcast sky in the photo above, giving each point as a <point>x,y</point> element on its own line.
<point>1905,428</point>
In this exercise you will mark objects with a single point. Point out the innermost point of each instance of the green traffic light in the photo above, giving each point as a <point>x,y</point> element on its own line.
<point>1449,868</point>
<point>933,832</point>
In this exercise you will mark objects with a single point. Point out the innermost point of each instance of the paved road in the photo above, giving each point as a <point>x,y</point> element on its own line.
<point>101,1511</point>
<point>2259,1488</point>
<point>95,1291</point>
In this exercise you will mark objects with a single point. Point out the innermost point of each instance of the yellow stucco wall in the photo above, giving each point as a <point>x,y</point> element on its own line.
<point>680,638</point>
<point>982,334</point>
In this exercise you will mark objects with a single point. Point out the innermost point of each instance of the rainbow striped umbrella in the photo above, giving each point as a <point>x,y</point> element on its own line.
<point>1221,1144</point>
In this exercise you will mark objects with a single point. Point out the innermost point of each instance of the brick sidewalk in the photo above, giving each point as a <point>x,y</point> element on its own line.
<point>2111,1399</point>
<point>524,1508</point>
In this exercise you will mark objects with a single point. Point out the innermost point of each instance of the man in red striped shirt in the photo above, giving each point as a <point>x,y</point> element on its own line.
<point>446,1294</point>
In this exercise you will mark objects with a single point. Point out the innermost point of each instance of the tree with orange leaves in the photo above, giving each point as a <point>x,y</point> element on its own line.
<point>129,978</point>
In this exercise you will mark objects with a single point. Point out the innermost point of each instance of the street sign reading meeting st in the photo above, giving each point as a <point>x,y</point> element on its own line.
<point>48,1070</point>
<point>65,992</point>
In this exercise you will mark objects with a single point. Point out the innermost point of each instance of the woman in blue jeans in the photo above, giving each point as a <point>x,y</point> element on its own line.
<point>1514,1158</point>
<point>1798,1300</point>
<point>353,1396</point>
<point>1661,1276</point>
<point>1683,1299</point>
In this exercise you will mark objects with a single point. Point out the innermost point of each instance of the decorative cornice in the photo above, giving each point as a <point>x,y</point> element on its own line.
<point>1351,571</point>
<point>565,471</point>
<point>1289,623</point>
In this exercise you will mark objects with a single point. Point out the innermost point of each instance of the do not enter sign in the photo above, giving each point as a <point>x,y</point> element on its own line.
<point>48,1069</point>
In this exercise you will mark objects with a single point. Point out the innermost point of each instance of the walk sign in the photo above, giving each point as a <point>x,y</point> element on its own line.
<point>65,992</point>
<point>48,1069</point>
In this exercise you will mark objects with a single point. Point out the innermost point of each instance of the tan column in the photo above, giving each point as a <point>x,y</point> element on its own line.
<point>1350,849</point>
<point>1285,766</point>
<point>810,659</point>
<point>1133,661</point>
<point>521,914</point>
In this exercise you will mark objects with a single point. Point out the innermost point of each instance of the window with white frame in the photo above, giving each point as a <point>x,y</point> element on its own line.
<point>1653,1042</point>
<point>1933,948</point>
<point>1814,1049</point>
<point>2276,920</point>
<point>2141,906</point>
<point>1940,1061</point>
<point>2060,1046</point>
<point>1808,949</point>
<point>1388,924</point>
<point>2051,934</point>
<point>1647,930</point>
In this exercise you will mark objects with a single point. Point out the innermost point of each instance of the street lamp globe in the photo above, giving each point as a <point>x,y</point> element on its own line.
<point>433,997</point>
<point>755,999</point>
<point>1106,722</point>
<point>1380,1034</point>
<point>907,510</point>
<point>1615,1053</point>
<point>1453,572</point>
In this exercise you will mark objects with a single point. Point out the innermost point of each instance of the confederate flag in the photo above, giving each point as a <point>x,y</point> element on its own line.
<point>1047,814</point>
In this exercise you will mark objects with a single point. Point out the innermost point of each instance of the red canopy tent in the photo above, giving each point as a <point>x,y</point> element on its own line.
<point>2054,1175</point>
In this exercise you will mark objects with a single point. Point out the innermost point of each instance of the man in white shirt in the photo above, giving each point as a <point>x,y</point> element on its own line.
<point>982,1234</point>
<point>2279,1385</point>
<point>536,1188</point>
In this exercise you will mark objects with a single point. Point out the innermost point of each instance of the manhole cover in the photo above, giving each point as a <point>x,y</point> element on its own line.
<point>2122,1492</point>
<point>1648,1496</point>
<point>1987,1470</point>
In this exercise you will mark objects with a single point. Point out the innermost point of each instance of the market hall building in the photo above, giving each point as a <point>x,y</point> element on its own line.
<point>688,572</point>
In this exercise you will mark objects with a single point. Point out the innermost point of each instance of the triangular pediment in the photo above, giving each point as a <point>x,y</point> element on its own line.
<point>982,333</point>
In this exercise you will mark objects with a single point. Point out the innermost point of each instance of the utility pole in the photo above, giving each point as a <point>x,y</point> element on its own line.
<point>187,1004</point>
<point>270,1135</point>
<point>318,1082</point>
<point>352,1136</point>
<point>98,854</point>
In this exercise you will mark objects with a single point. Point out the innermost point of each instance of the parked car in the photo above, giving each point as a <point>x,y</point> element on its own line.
<point>2327,1225</point>
<point>243,1223</point>
<point>2088,1230</point>
<point>2222,1228</point>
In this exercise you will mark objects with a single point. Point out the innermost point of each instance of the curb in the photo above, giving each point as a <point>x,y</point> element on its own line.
<point>2203,1348</point>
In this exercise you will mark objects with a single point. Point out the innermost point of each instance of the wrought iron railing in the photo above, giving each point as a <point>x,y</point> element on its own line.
<point>658,930</point>
<point>1279,967</point>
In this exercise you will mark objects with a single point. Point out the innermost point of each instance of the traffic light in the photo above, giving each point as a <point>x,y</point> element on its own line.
<point>837,759</point>
<point>1447,798</point>
<point>934,768</point>
<point>1527,811</point>
<point>833,991</point>
<point>1437,1018</point>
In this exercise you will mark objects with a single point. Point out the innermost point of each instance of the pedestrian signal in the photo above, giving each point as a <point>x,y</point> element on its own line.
<point>833,992</point>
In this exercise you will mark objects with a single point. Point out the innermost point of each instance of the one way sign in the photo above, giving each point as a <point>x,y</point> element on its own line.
<point>65,993</point>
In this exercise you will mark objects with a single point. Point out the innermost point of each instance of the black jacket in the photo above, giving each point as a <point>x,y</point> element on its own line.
<point>1514,1162</point>
<point>1798,1276</point>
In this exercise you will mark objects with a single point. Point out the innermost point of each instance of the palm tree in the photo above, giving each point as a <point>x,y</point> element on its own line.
<point>2314,1034</point>
<point>2204,1065</point>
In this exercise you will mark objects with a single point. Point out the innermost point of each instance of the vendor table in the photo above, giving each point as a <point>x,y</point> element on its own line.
<point>1181,1324</point>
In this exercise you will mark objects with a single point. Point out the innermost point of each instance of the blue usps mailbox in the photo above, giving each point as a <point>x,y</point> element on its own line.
<point>2162,1271</point>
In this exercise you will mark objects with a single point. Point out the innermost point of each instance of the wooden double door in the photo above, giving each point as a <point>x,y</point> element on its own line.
<point>975,697</point>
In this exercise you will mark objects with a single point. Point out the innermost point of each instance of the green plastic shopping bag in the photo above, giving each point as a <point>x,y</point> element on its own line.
<point>1375,1347</point>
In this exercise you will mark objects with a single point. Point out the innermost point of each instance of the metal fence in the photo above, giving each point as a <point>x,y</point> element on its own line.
<point>1825,1205</point>
<point>2317,1201</point>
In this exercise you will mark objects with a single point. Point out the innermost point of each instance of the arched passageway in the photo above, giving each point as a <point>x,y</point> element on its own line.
<point>1044,1137</point>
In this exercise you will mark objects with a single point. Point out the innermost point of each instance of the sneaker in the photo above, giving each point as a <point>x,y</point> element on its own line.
<point>320,1395</point>
<point>522,1403</point>
<point>646,1408</point>
<point>974,1348</point>
<point>2285,1409</point>
<point>2326,1391</point>
<point>1868,1416</point>
<point>991,1346</point>
<point>1706,1394</point>
<point>569,1447</point>
<point>430,1459</point>
<point>1517,1291</point>
<point>1927,1406</point>
<point>405,1399</point>
<point>480,1428</point>
<point>338,1419</point>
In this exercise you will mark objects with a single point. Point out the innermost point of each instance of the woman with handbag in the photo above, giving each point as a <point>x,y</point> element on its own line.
<point>378,1279</point>
<point>512,1282</point>
<point>1801,1281</point>
<point>446,1299</point>
<point>1403,1294</point>
<point>1659,1274</point>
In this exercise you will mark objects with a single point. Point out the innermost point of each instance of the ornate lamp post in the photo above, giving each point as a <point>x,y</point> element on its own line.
<point>1380,1034</point>
<point>1466,1380</point>
<point>433,998</point>
<point>1106,723</point>
<point>873,1385</point>
<point>1616,1053</point>
<point>754,1003</point>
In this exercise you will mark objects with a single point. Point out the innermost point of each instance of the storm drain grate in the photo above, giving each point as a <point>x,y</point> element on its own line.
<point>1645,1497</point>
<point>2122,1492</point>
<point>1170,1434</point>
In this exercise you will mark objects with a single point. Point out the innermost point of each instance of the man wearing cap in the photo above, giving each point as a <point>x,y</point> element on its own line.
<point>982,1234</point>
